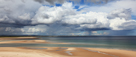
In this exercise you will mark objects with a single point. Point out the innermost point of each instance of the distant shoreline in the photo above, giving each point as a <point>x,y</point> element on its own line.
<point>17,38</point>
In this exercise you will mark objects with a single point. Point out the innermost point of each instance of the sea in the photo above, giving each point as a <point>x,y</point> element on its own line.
<point>111,42</point>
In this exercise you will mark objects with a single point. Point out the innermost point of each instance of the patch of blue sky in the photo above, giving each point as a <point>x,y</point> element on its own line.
<point>82,2</point>
<point>133,17</point>
<point>48,5</point>
<point>58,5</point>
<point>76,3</point>
<point>77,7</point>
<point>71,2</point>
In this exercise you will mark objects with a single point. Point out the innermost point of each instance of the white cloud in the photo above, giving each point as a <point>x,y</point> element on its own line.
<point>48,15</point>
<point>88,20</point>
<point>118,4</point>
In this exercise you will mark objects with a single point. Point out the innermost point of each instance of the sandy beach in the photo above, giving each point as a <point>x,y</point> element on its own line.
<point>30,41</point>
<point>63,52</point>
<point>58,51</point>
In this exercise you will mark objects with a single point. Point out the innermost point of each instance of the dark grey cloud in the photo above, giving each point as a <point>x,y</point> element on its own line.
<point>52,2</point>
<point>97,1</point>
<point>120,14</point>
<point>18,13</point>
<point>129,25</point>
<point>40,1</point>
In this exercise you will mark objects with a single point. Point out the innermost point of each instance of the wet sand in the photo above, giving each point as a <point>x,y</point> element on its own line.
<point>117,52</point>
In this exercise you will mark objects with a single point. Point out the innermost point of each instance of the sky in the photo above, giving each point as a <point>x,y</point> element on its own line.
<point>68,17</point>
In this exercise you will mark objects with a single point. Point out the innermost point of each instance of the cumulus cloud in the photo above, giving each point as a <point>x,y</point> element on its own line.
<point>67,15</point>
<point>47,15</point>
<point>89,20</point>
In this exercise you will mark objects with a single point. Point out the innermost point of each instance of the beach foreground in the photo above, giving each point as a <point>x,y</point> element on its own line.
<point>57,51</point>
<point>63,52</point>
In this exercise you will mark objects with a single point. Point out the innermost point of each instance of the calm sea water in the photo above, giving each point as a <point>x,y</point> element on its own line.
<point>120,42</point>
